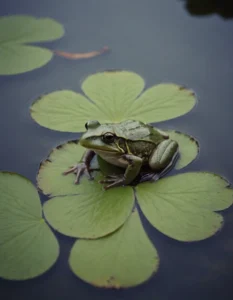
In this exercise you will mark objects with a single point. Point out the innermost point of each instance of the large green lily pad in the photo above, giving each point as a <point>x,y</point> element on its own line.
<point>28,247</point>
<point>123,259</point>
<point>184,206</point>
<point>84,210</point>
<point>92,214</point>
<point>16,56</point>
<point>115,96</point>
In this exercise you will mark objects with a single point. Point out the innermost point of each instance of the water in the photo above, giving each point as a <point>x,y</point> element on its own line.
<point>162,42</point>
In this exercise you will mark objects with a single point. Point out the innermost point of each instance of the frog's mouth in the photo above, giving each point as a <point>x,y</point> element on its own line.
<point>99,148</point>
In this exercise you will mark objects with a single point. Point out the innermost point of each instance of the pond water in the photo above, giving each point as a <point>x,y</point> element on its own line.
<point>162,42</point>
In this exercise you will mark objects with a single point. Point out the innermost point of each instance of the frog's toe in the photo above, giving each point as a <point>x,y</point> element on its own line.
<point>114,181</point>
<point>78,176</point>
<point>78,170</point>
<point>120,182</point>
<point>70,170</point>
<point>110,179</point>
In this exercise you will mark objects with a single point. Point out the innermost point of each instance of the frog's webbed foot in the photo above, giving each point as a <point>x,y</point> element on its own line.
<point>114,180</point>
<point>82,167</point>
<point>79,169</point>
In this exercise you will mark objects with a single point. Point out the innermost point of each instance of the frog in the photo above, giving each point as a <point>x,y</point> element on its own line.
<point>130,145</point>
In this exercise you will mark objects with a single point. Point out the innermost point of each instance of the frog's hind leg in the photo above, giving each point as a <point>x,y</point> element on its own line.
<point>132,170</point>
<point>164,157</point>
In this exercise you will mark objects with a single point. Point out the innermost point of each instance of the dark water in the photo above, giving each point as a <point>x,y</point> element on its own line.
<point>161,41</point>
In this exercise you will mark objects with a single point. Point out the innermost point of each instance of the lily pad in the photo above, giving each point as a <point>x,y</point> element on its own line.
<point>123,259</point>
<point>184,206</point>
<point>83,210</point>
<point>113,92</point>
<point>162,102</point>
<point>28,247</point>
<point>64,111</point>
<point>115,96</point>
<point>118,253</point>
<point>15,33</point>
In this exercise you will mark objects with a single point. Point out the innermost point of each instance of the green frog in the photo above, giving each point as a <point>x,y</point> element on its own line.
<point>129,145</point>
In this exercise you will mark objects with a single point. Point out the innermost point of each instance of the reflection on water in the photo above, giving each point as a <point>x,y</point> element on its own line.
<point>206,7</point>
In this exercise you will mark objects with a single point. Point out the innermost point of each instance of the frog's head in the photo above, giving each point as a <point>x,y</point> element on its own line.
<point>100,138</point>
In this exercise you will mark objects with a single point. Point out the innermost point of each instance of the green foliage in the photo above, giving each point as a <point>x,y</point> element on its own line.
<point>116,96</point>
<point>84,210</point>
<point>183,206</point>
<point>123,259</point>
<point>16,32</point>
<point>28,248</point>
<point>188,148</point>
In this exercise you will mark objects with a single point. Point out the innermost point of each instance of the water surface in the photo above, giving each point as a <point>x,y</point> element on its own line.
<point>162,42</point>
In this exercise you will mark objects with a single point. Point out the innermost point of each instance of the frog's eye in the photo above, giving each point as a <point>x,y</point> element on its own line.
<point>108,138</point>
<point>92,124</point>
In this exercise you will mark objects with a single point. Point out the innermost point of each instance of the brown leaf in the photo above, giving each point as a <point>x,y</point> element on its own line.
<point>82,55</point>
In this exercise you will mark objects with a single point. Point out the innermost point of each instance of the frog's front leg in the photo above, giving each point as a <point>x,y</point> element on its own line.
<point>132,170</point>
<point>163,157</point>
<point>82,166</point>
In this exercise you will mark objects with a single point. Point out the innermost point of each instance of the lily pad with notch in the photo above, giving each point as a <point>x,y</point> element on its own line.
<point>16,33</point>
<point>83,210</point>
<point>112,96</point>
<point>185,206</point>
<point>125,258</point>
<point>28,248</point>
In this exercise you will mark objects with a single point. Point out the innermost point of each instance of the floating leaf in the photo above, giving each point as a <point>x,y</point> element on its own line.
<point>28,247</point>
<point>161,102</point>
<point>123,259</point>
<point>15,32</point>
<point>114,99</point>
<point>113,92</point>
<point>50,178</point>
<point>87,210</point>
<point>183,206</point>
<point>64,111</point>
<point>81,55</point>
<point>188,148</point>
<point>90,215</point>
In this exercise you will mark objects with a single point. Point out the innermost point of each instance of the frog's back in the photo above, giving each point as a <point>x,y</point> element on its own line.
<point>136,130</point>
